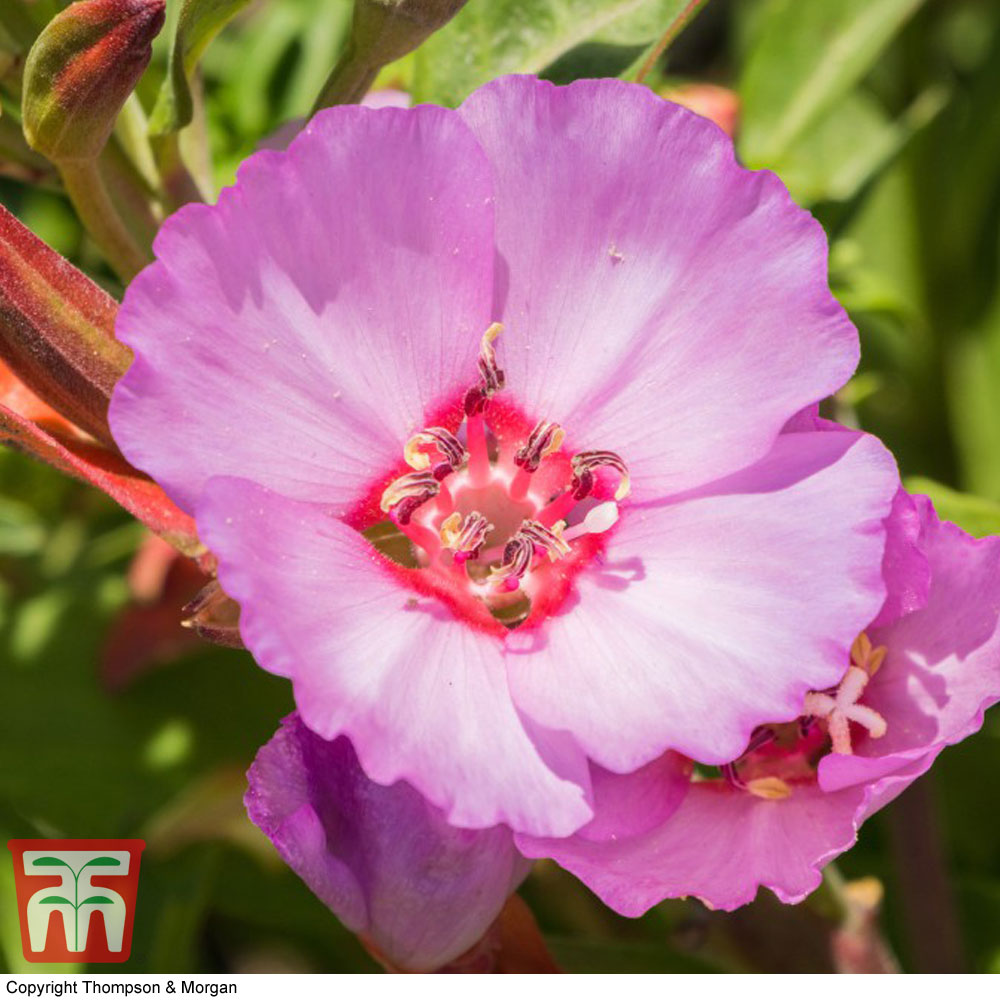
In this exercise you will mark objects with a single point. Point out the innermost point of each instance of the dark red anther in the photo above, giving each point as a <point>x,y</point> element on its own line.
<point>543,440</point>
<point>405,509</point>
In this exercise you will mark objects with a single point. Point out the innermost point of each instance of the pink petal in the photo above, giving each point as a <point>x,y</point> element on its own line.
<point>296,333</point>
<point>721,845</point>
<point>660,300</point>
<point>905,567</point>
<point>942,666</point>
<point>717,613</point>
<point>627,805</point>
<point>422,695</point>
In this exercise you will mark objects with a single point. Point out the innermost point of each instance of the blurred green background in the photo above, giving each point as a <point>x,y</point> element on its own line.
<point>883,117</point>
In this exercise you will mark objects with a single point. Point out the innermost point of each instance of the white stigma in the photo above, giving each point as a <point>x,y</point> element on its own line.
<point>599,519</point>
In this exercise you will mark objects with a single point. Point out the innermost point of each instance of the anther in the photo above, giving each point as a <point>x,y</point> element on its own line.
<point>586,462</point>
<point>449,447</point>
<point>869,658</point>
<point>520,551</point>
<point>769,788</point>
<point>545,439</point>
<point>518,554</point>
<point>404,495</point>
<point>465,538</point>
<point>549,540</point>
<point>492,378</point>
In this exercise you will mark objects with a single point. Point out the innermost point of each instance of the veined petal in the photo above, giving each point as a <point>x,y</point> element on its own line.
<point>721,845</point>
<point>384,860</point>
<point>296,333</point>
<point>718,612</point>
<point>422,695</point>
<point>659,299</point>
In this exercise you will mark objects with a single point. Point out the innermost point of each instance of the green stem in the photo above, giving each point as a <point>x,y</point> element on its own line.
<point>178,186</point>
<point>97,212</point>
<point>678,24</point>
<point>350,80</point>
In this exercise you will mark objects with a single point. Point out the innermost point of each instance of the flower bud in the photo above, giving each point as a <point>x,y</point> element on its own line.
<point>382,32</point>
<point>389,29</point>
<point>420,892</point>
<point>57,330</point>
<point>81,70</point>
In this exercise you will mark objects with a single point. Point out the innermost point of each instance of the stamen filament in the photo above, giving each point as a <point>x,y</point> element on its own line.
<point>520,483</point>
<point>444,501</point>
<point>479,455</point>
<point>421,536</point>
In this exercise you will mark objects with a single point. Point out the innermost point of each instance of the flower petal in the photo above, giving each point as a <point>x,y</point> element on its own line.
<point>422,695</point>
<point>296,333</point>
<point>660,300</point>
<point>942,666</point>
<point>721,845</point>
<point>627,805</point>
<point>383,859</point>
<point>713,614</point>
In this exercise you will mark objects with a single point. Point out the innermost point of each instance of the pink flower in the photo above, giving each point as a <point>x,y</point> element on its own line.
<point>916,681</point>
<point>420,892</point>
<point>318,367</point>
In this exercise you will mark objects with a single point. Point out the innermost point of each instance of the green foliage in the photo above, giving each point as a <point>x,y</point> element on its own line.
<point>199,22</point>
<point>513,36</point>
<point>806,57</point>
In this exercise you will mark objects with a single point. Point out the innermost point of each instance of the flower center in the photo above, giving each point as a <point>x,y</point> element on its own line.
<point>499,514</point>
<point>779,755</point>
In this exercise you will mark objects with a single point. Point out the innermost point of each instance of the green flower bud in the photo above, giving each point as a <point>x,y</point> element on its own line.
<point>389,29</point>
<point>81,70</point>
<point>382,32</point>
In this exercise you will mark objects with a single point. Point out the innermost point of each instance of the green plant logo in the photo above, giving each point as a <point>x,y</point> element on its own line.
<point>101,899</point>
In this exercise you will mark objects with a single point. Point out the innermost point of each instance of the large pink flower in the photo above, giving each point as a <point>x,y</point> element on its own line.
<point>611,551</point>
<point>917,681</point>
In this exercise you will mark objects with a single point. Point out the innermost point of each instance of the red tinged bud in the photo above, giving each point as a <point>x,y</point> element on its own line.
<point>717,104</point>
<point>109,472</point>
<point>57,329</point>
<point>80,71</point>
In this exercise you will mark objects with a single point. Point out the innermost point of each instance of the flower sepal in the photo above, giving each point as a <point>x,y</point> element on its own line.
<point>214,616</point>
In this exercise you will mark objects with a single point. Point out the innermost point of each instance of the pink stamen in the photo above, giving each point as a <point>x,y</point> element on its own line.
<point>421,536</point>
<point>444,501</point>
<point>520,483</point>
<point>479,454</point>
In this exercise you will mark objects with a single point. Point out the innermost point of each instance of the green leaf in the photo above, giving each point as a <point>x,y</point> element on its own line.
<point>56,899</point>
<point>199,22</point>
<point>49,863</point>
<point>103,863</point>
<point>96,900</point>
<point>974,514</point>
<point>488,39</point>
<point>849,145</point>
<point>806,57</point>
